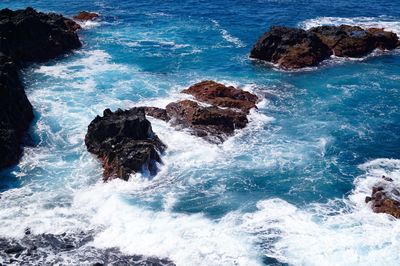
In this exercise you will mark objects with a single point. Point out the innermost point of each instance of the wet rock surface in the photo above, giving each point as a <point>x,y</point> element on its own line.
<point>25,35</point>
<point>385,197</point>
<point>125,143</point>
<point>66,249</point>
<point>220,111</point>
<point>291,48</point>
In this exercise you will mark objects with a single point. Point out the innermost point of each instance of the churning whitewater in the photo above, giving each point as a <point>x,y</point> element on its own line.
<point>288,189</point>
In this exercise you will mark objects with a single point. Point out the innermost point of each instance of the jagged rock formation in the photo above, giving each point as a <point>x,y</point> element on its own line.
<point>125,143</point>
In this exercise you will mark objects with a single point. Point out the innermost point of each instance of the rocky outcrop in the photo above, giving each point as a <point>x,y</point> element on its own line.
<point>25,35</point>
<point>85,16</point>
<point>125,143</point>
<point>385,197</point>
<point>15,112</point>
<point>224,111</point>
<point>28,35</point>
<point>291,48</point>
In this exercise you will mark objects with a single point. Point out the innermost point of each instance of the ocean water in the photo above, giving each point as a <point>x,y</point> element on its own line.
<point>288,189</point>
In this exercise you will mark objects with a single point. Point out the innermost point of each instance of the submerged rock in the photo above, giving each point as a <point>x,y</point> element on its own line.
<point>25,35</point>
<point>225,111</point>
<point>125,143</point>
<point>385,198</point>
<point>67,249</point>
<point>84,16</point>
<point>291,48</point>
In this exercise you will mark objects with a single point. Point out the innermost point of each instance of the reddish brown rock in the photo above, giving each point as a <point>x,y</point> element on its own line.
<point>228,111</point>
<point>223,96</point>
<point>85,16</point>
<point>212,123</point>
<point>385,198</point>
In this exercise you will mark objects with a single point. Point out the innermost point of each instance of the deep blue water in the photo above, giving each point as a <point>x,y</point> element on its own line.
<point>287,189</point>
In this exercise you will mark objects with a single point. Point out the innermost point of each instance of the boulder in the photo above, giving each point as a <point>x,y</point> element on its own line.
<point>223,96</point>
<point>25,35</point>
<point>290,48</point>
<point>125,143</point>
<point>385,198</point>
<point>296,48</point>
<point>85,16</point>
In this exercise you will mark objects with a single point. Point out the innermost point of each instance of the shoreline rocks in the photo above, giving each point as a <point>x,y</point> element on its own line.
<point>292,48</point>
<point>26,36</point>
<point>125,143</point>
<point>385,198</point>
<point>67,249</point>
<point>217,113</point>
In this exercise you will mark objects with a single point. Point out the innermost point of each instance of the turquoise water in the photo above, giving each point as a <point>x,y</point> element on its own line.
<point>289,188</point>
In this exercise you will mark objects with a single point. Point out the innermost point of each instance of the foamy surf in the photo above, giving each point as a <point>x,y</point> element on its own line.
<point>388,23</point>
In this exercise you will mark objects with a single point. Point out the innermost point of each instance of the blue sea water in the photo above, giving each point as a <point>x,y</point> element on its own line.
<point>289,188</point>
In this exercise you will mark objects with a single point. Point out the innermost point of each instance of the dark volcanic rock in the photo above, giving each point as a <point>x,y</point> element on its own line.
<point>228,111</point>
<point>84,16</point>
<point>15,112</point>
<point>125,143</point>
<point>29,35</point>
<point>296,48</point>
<point>67,249</point>
<point>25,35</point>
<point>353,41</point>
<point>385,198</point>
<point>220,95</point>
<point>290,48</point>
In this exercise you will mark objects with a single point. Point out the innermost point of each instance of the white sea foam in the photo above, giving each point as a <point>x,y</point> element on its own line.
<point>89,24</point>
<point>227,36</point>
<point>341,232</point>
<point>388,23</point>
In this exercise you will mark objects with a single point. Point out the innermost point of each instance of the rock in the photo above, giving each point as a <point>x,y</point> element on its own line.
<point>29,35</point>
<point>158,113</point>
<point>25,35</point>
<point>385,198</point>
<point>223,96</point>
<point>290,48</point>
<point>15,112</point>
<point>67,249</point>
<point>125,143</point>
<point>228,111</point>
<point>296,48</point>
<point>85,16</point>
